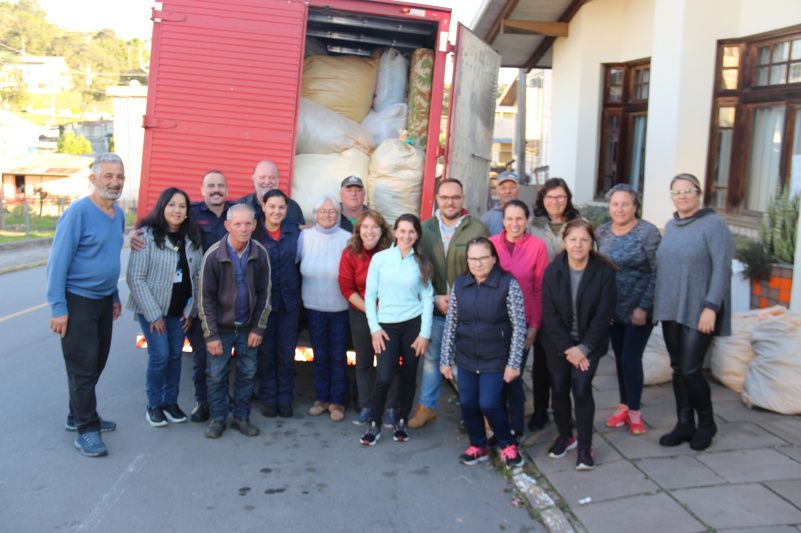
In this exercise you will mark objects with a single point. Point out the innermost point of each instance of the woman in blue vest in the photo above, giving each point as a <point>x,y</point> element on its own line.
<point>485,333</point>
<point>276,372</point>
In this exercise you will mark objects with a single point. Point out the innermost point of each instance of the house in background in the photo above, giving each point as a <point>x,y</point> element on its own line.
<point>54,180</point>
<point>646,89</point>
<point>42,74</point>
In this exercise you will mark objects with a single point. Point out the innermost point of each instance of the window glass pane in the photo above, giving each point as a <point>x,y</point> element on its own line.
<point>778,74</point>
<point>762,75</point>
<point>615,76</point>
<point>726,117</point>
<point>616,94</point>
<point>796,54</point>
<point>723,164</point>
<point>729,79</point>
<point>763,56</point>
<point>781,52</point>
<point>637,164</point>
<point>646,75</point>
<point>644,91</point>
<point>731,56</point>
<point>795,73</point>
<point>765,156</point>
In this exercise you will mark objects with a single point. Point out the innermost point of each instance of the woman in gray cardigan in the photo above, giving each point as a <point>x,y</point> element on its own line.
<point>692,301</point>
<point>163,278</point>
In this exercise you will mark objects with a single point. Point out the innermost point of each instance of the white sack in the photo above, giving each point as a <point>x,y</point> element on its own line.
<point>318,174</point>
<point>395,181</point>
<point>386,124</point>
<point>655,360</point>
<point>322,131</point>
<point>393,75</point>
<point>774,378</point>
<point>732,355</point>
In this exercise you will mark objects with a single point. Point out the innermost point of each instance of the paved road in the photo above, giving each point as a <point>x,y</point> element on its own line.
<point>303,474</point>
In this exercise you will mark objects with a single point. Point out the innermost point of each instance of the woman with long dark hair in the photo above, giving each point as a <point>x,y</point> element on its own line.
<point>400,278</point>
<point>553,209</point>
<point>578,302</point>
<point>163,278</point>
<point>485,331</point>
<point>693,303</point>
<point>276,368</point>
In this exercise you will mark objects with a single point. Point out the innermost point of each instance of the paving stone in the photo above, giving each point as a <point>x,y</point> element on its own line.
<point>736,411</point>
<point>640,446</point>
<point>766,529</point>
<point>743,436</point>
<point>679,472</point>
<point>606,398</point>
<point>538,444</point>
<point>746,466</point>
<point>653,512</point>
<point>793,452</point>
<point>787,427</point>
<point>608,481</point>
<point>607,382</point>
<point>738,506</point>
<point>721,393</point>
<point>789,488</point>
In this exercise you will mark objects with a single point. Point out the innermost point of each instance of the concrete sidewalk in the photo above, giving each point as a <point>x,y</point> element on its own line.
<point>24,254</point>
<point>748,480</point>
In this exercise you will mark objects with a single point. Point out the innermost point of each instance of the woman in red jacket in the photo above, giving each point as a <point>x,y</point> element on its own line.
<point>525,257</point>
<point>370,235</point>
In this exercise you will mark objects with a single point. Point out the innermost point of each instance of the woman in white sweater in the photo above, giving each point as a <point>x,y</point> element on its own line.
<point>163,278</point>
<point>319,250</point>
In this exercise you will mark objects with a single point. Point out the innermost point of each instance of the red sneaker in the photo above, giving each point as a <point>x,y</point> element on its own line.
<point>619,418</point>
<point>636,424</point>
<point>473,455</point>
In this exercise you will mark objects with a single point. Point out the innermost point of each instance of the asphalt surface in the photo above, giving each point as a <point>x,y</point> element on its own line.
<point>300,474</point>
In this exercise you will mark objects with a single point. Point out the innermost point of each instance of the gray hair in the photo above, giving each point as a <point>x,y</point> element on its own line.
<point>323,199</point>
<point>108,157</point>
<point>625,187</point>
<point>236,208</point>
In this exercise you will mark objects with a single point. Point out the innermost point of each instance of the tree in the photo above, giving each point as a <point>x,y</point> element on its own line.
<point>69,143</point>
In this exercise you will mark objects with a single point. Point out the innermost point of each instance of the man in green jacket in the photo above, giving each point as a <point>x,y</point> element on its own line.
<point>444,241</point>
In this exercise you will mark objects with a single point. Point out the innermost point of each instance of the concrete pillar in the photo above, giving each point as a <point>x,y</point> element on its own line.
<point>520,126</point>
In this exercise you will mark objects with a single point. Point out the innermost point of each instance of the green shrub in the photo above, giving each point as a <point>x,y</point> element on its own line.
<point>778,228</point>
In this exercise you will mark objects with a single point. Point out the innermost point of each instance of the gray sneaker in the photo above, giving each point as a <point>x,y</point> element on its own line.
<point>91,444</point>
<point>244,427</point>
<point>215,429</point>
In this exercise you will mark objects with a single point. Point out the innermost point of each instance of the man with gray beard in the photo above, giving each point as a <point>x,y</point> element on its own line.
<point>82,275</point>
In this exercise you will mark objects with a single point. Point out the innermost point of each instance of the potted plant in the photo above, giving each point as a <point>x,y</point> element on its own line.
<point>769,261</point>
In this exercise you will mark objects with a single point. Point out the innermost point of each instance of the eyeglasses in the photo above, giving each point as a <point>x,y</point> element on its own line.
<point>445,199</point>
<point>684,192</point>
<point>479,260</point>
<point>558,198</point>
<point>328,212</point>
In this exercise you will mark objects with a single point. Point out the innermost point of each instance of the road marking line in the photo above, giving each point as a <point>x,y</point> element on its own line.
<point>23,312</point>
<point>112,496</point>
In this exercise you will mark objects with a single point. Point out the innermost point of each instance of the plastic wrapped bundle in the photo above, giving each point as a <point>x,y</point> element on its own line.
<point>393,74</point>
<point>386,124</point>
<point>344,84</point>
<point>395,181</point>
<point>421,76</point>
<point>322,131</point>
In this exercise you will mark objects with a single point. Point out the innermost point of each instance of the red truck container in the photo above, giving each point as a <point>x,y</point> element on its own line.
<point>225,83</point>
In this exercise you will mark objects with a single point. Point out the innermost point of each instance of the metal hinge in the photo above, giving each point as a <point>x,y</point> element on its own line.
<point>160,123</point>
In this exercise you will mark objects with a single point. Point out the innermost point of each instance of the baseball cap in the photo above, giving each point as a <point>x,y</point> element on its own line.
<point>506,176</point>
<point>352,181</point>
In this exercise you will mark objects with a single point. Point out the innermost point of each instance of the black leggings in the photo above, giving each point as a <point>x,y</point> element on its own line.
<point>565,378</point>
<point>401,336</point>
<point>687,348</point>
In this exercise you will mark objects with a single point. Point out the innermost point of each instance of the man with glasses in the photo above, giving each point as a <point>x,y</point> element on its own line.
<point>444,241</point>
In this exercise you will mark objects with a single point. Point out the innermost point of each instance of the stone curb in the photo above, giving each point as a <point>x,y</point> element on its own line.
<point>17,268</point>
<point>22,245</point>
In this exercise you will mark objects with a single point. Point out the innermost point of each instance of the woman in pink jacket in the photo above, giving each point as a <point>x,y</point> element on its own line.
<point>525,257</point>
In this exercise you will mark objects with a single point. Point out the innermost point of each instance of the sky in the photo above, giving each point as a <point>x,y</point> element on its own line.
<point>131,18</point>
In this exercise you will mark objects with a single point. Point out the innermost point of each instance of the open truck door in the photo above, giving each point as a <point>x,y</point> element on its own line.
<point>471,117</point>
<point>223,92</point>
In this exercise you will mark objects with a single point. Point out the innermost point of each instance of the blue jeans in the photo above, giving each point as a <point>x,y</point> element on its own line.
<point>329,339</point>
<point>217,377</point>
<point>628,343</point>
<point>429,387</point>
<point>276,373</point>
<point>481,395</point>
<point>163,361</point>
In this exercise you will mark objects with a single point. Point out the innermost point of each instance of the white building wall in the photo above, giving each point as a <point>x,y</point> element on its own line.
<point>130,104</point>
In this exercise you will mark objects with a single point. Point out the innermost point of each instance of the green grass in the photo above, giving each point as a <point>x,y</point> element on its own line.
<point>7,237</point>
<point>15,221</point>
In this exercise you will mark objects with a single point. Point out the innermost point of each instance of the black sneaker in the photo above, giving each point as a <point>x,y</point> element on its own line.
<point>269,411</point>
<point>584,460</point>
<point>155,417</point>
<point>474,455</point>
<point>200,413</point>
<point>285,411</point>
<point>511,457</point>
<point>105,425</point>
<point>244,427</point>
<point>174,413</point>
<point>561,446</point>
<point>215,429</point>
<point>400,434</point>
<point>371,436</point>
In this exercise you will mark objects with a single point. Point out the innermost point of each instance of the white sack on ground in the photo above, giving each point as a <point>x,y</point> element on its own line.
<point>344,84</point>
<point>732,355</point>
<point>318,174</point>
<point>386,124</point>
<point>395,181</point>
<point>774,378</point>
<point>322,131</point>
<point>655,359</point>
<point>393,75</point>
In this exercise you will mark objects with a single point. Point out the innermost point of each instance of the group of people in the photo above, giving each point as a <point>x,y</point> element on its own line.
<point>470,297</point>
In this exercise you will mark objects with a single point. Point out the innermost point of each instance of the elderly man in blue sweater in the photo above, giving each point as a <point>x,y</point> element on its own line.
<point>82,276</point>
